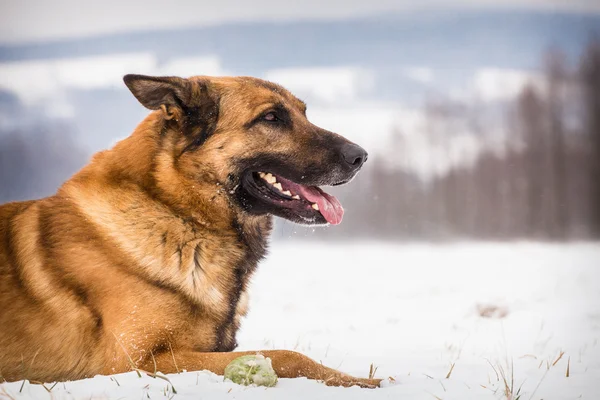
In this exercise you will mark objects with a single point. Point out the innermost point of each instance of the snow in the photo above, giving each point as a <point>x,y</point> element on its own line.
<point>414,311</point>
<point>325,85</point>
<point>497,84</point>
<point>41,81</point>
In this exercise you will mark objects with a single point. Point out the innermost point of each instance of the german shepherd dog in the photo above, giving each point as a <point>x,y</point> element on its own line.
<point>143,257</point>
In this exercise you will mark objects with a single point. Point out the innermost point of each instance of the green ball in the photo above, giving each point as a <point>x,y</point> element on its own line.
<point>253,369</point>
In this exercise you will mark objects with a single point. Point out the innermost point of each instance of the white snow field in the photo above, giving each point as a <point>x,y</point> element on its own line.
<point>415,311</point>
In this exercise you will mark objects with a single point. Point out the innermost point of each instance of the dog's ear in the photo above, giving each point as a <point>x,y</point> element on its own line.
<point>156,92</point>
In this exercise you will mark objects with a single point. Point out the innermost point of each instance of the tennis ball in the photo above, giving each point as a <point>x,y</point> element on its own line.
<point>252,369</point>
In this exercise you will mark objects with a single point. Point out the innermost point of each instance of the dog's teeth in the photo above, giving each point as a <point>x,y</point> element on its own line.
<point>278,186</point>
<point>296,197</point>
<point>270,178</point>
<point>287,193</point>
<point>315,206</point>
<point>261,174</point>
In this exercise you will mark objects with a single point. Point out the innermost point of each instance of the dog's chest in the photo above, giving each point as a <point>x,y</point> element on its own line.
<point>204,276</point>
<point>203,315</point>
<point>219,277</point>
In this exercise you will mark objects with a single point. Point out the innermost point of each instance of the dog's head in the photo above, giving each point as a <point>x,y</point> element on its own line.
<point>251,138</point>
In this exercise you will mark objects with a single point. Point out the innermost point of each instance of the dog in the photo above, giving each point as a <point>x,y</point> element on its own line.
<point>142,259</point>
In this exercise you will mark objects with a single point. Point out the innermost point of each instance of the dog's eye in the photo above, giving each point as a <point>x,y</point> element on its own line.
<point>271,117</point>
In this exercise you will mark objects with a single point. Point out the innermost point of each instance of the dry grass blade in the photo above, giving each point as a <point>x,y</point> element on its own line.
<point>28,373</point>
<point>52,387</point>
<point>494,368</point>
<point>5,393</point>
<point>173,356</point>
<point>133,366</point>
<point>519,391</point>
<point>507,388</point>
<point>509,382</point>
<point>512,376</point>
<point>154,361</point>
<point>529,356</point>
<point>451,369</point>
<point>156,375</point>
<point>372,371</point>
<point>568,367</point>
<point>32,361</point>
<point>42,384</point>
<point>438,398</point>
<point>562,353</point>
<point>538,385</point>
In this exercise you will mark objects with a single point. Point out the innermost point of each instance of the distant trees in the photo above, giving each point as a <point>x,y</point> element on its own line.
<point>590,82</point>
<point>558,79</point>
<point>545,184</point>
<point>35,161</point>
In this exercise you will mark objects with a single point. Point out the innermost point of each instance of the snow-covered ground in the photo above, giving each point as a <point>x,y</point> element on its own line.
<point>415,311</point>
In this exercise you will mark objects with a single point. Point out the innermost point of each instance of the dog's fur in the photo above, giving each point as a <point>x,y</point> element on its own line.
<point>144,255</point>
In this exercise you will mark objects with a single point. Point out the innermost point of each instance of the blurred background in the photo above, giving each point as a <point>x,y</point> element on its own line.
<point>482,119</point>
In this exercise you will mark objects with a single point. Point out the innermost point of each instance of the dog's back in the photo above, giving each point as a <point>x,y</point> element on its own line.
<point>42,318</point>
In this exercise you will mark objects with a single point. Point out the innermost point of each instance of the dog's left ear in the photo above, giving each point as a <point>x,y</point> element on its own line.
<point>156,92</point>
<point>189,102</point>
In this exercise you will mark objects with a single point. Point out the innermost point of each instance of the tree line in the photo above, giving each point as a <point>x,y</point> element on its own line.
<point>542,183</point>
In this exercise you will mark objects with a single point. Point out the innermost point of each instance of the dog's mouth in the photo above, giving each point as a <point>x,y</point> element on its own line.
<point>301,203</point>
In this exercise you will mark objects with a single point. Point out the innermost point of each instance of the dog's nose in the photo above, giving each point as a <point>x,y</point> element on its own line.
<point>354,155</point>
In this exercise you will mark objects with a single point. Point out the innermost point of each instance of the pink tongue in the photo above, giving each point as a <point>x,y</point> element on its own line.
<point>329,206</point>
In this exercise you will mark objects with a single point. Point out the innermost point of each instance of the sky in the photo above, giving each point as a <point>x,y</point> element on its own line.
<point>336,96</point>
<point>42,20</point>
<point>342,97</point>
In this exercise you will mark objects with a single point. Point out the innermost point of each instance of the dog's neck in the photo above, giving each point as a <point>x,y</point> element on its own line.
<point>144,162</point>
<point>138,171</point>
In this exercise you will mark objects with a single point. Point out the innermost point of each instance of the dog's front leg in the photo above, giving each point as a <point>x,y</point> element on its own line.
<point>287,364</point>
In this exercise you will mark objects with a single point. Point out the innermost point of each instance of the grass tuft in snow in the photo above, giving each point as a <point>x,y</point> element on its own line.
<point>372,371</point>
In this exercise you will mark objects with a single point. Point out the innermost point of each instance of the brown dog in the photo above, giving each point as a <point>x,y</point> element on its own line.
<point>144,255</point>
